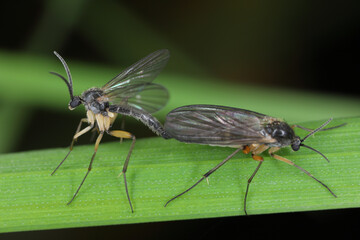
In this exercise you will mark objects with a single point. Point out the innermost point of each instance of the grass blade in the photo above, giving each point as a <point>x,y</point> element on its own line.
<point>31,199</point>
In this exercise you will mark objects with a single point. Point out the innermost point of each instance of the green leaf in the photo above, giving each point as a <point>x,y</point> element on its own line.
<point>159,169</point>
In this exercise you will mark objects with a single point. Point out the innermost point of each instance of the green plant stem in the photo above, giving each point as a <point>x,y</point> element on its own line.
<point>159,169</point>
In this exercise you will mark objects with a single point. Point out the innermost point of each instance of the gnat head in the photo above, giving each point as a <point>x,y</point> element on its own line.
<point>297,142</point>
<point>74,100</point>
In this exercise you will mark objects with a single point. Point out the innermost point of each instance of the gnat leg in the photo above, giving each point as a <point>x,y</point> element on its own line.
<point>94,131</point>
<point>260,159</point>
<point>122,126</point>
<point>255,155</point>
<point>205,176</point>
<point>121,135</point>
<point>277,157</point>
<point>90,165</point>
<point>76,135</point>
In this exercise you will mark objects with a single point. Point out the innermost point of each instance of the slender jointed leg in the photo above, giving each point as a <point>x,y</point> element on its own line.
<point>90,165</point>
<point>277,157</point>
<point>255,151</point>
<point>205,176</point>
<point>122,126</point>
<point>250,179</point>
<point>94,131</point>
<point>77,134</point>
<point>121,135</point>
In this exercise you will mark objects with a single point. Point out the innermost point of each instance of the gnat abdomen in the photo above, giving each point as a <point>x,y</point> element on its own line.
<point>146,118</point>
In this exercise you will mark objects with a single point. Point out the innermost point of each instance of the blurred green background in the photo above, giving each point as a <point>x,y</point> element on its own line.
<point>298,60</point>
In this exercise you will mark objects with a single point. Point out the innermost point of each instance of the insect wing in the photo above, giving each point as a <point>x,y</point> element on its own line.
<point>144,71</point>
<point>133,86</point>
<point>217,125</point>
<point>150,97</point>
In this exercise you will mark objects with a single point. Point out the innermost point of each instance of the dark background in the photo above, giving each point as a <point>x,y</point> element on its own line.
<point>296,44</point>
<point>308,45</point>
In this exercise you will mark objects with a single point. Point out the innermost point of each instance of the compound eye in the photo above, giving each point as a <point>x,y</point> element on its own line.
<point>279,133</point>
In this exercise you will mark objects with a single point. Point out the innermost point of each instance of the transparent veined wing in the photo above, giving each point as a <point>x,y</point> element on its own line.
<point>133,86</point>
<point>150,97</point>
<point>217,125</point>
<point>144,71</point>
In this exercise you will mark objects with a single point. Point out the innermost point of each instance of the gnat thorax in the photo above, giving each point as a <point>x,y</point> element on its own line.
<point>281,132</point>
<point>91,100</point>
